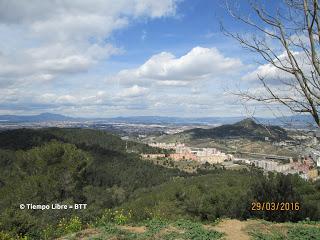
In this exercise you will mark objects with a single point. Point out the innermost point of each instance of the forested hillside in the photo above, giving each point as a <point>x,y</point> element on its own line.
<point>28,138</point>
<point>68,166</point>
<point>223,193</point>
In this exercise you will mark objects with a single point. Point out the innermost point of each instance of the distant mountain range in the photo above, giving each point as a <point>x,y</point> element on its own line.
<point>291,121</point>
<point>175,120</point>
<point>43,117</point>
<point>246,128</point>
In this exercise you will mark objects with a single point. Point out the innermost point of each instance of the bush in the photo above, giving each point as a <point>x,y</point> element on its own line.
<point>118,216</point>
<point>5,236</point>
<point>72,225</point>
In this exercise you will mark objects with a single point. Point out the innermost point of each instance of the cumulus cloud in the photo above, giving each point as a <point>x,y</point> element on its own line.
<point>129,98</point>
<point>61,37</point>
<point>134,91</point>
<point>166,69</point>
<point>282,84</point>
<point>37,10</point>
<point>45,44</point>
<point>276,76</point>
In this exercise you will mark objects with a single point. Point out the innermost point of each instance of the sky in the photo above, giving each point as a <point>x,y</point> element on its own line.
<point>105,58</point>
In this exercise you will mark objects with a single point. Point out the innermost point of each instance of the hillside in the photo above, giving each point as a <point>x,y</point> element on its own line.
<point>84,138</point>
<point>68,166</point>
<point>72,166</point>
<point>246,128</point>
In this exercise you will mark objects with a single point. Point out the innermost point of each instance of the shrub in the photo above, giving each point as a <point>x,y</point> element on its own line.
<point>72,225</point>
<point>118,216</point>
<point>5,236</point>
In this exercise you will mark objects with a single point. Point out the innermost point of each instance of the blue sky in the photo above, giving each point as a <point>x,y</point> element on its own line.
<point>123,58</point>
<point>196,23</point>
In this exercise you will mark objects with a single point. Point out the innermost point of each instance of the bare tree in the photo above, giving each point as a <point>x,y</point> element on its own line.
<point>288,40</point>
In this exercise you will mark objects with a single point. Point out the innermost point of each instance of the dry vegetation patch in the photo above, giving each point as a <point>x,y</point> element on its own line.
<point>133,229</point>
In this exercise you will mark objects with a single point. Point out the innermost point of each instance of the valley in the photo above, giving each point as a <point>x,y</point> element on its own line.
<point>144,186</point>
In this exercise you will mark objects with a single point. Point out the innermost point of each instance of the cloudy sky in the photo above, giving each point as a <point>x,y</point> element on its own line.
<point>101,58</point>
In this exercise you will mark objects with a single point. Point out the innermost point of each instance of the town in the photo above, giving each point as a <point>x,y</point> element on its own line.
<point>305,167</point>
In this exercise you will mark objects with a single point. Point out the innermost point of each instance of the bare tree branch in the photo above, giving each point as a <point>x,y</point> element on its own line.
<point>294,51</point>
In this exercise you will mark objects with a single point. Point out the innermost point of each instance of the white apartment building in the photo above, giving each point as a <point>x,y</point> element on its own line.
<point>316,157</point>
<point>269,165</point>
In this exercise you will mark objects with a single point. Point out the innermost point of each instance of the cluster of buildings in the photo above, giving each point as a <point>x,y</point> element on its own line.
<point>305,168</point>
<point>182,152</point>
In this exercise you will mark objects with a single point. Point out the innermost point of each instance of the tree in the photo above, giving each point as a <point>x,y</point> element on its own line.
<point>288,41</point>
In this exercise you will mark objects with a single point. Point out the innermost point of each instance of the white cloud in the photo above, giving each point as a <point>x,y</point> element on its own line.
<point>276,76</point>
<point>45,44</point>
<point>39,10</point>
<point>134,91</point>
<point>44,37</point>
<point>172,83</point>
<point>198,64</point>
<point>75,63</point>
<point>67,99</point>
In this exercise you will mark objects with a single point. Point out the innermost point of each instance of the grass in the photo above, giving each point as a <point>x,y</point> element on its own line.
<point>190,230</point>
<point>154,229</point>
<point>286,231</point>
<point>194,230</point>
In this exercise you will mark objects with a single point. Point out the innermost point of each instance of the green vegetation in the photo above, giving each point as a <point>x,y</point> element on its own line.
<point>223,193</point>
<point>84,138</point>
<point>288,231</point>
<point>188,166</point>
<point>243,137</point>
<point>69,166</point>
<point>247,129</point>
<point>152,229</point>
